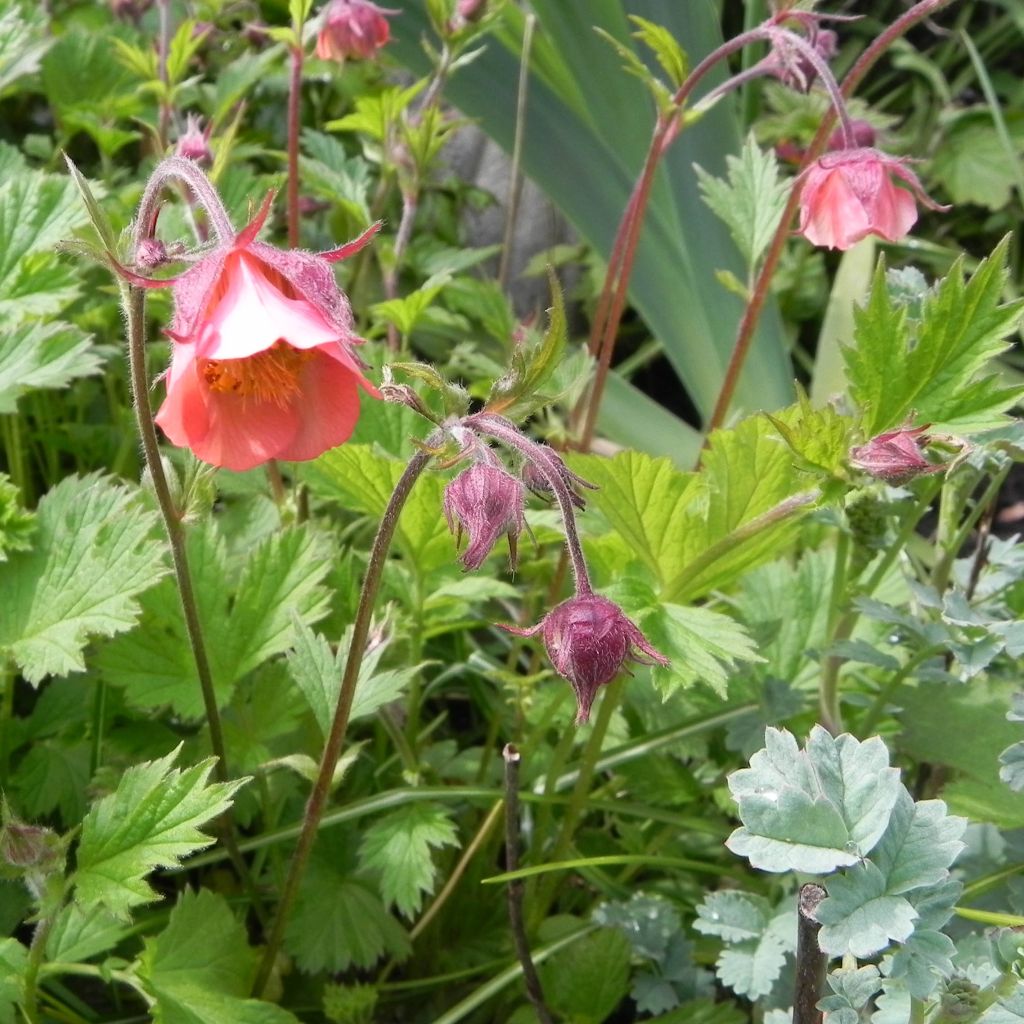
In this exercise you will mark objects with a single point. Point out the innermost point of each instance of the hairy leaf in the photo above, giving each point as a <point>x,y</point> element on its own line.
<point>93,554</point>
<point>151,820</point>
<point>42,355</point>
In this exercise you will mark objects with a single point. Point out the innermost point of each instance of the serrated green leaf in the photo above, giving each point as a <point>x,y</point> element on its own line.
<point>23,41</point>
<point>669,53</point>
<point>357,932</point>
<point>586,983</point>
<point>78,934</point>
<point>52,776</point>
<point>866,907</point>
<point>930,368</point>
<point>398,847</point>
<point>36,355</point>
<point>13,961</point>
<point>363,480</point>
<point>812,810</point>
<point>200,967</point>
<point>317,671</point>
<point>703,646</point>
<point>922,960</point>
<point>972,162</point>
<point>852,989</point>
<point>246,606</point>
<point>405,313</point>
<point>16,524</point>
<point>36,211</point>
<point>750,199</point>
<point>151,820</point>
<point>93,554</point>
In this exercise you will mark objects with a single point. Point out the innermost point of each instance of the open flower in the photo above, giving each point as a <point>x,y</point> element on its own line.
<point>589,640</point>
<point>852,193</point>
<point>263,365</point>
<point>485,501</point>
<point>353,28</point>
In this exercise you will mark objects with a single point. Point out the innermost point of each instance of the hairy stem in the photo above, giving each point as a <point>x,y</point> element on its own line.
<point>339,726</point>
<point>180,169</point>
<point>534,991</point>
<point>759,293</point>
<point>36,955</point>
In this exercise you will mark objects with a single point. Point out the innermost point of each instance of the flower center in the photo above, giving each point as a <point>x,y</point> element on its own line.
<point>268,376</point>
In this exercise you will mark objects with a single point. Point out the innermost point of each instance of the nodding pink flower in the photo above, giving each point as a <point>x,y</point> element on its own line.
<point>589,640</point>
<point>852,193</point>
<point>485,501</point>
<point>895,456</point>
<point>263,364</point>
<point>353,28</point>
<point>194,141</point>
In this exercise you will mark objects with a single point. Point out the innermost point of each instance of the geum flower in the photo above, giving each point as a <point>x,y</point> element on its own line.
<point>353,28</point>
<point>485,501</point>
<point>589,640</point>
<point>895,456</point>
<point>263,364</point>
<point>852,193</point>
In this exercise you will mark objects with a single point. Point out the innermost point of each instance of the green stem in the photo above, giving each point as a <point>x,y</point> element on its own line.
<point>339,726</point>
<point>828,691</point>
<point>15,454</point>
<point>870,722</point>
<point>294,95</point>
<point>578,798</point>
<point>99,705</point>
<point>7,676</point>
<point>36,953</point>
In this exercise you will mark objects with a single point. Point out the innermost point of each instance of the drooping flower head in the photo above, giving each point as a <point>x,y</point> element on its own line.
<point>353,28</point>
<point>589,640</point>
<point>895,456</point>
<point>263,364</point>
<point>852,193</point>
<point>485,501</point>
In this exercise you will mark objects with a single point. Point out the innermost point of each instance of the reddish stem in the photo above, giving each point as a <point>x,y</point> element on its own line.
<point>752,314</point>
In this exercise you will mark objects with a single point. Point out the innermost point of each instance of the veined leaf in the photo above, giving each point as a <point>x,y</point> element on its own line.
<point>587,982</point>
<point>13,961</point>
<point>93,554</point>
<point>16,524</point>
<point>42,355</point>
<point>151,820</point>
<point>246,607</point>
<point>23,41</point>
<point>200,967</point>
<point>933,367</point>
<point>812,810</point>
<point>399,846</point>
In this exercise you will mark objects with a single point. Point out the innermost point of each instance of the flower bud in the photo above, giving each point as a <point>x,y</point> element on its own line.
<point>471,10</point>
<point>895,456</point>
<point>794,68</point>
<point>863,133</point>
<point>486,502</point>
<point>589,640</point>
<point>150,254</point>
<point>194,142</point>
<point>538,482</point>
<point>353,28</point>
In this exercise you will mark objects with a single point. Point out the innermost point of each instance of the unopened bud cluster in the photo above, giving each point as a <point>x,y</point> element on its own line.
<point>588,638</point>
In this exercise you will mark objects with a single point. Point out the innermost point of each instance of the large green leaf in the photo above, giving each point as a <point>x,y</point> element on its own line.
<point>588,125</point>
<point>42,355</point>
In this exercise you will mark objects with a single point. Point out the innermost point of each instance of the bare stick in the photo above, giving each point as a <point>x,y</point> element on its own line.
<point>534,991</point>
<point>810,961</point>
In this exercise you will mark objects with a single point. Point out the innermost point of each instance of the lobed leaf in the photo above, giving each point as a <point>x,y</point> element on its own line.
<point>151,820</point>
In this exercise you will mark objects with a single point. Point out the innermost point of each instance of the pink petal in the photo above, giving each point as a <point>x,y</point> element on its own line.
<point>253,313</point>
<point>894,213</point>
<point>834,216</point>
<point>328,403</point>
<point>183,417</point>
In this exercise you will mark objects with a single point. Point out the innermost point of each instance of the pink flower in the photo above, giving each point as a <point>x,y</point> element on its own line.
<point>486,502</point>
<point>850,194</point>
<point>263,365</point>
<point>194,142</point>
<point>353,28</point>
<point>589,640</point>
<point>895,456</point>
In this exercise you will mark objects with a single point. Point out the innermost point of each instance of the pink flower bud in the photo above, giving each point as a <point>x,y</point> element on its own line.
<point>589,640</point>
<point>150,254</point>
<point>194,142</point>
<point>28,846</point>
<point>863,136</point>
<point>486,502</point>
<point>130,10</point>
<point>794,68</point>
<point>895,457</point>
<point>353,28</point>
<point>852,193</point>
<point>472,10</point>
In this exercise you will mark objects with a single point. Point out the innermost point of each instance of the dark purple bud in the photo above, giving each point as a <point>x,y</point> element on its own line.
<point>894,457</point>
<point>130,10</point>
<point>589,640</point>
<point>485,501</point>
<point>538,481</point>
<point>863,136</point>
<point>27,846</point>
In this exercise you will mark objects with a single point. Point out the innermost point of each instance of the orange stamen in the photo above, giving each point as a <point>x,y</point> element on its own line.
<point>268,376</point>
